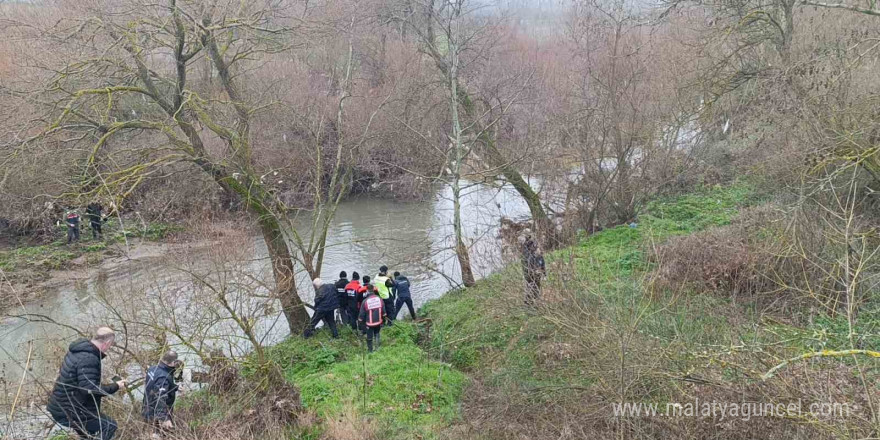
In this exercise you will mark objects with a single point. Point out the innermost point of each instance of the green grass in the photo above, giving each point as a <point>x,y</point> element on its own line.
<point>413,386</point>
<point>410,394</point>
<point>620,251</point>
<point>503,345</point>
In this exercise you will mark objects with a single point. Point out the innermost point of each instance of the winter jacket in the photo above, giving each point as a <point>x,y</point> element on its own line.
<point>160,391</point>
<point>340,292</point>
<point>372,311</point>
<point>326,299</point>
<point>73,220</point>
<point>383,286</point>
<point>354,293</point>
<point>78,391</point>
<point>93,211</point>
<point>401,285</point>
<point>532,262</point>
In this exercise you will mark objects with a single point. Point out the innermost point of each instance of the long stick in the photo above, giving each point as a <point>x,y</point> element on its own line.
<point>823,353</point>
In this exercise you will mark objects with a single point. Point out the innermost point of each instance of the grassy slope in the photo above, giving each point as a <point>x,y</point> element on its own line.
<point>482,337</point>
<point>612,260</point>
<point>408,395</point>
<point>472,334</point>
<point>597,292</point>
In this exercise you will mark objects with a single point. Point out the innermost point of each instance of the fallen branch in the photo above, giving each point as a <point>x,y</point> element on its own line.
<point>823,353</point>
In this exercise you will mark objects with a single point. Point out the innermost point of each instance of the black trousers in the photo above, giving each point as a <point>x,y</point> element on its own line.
<point>373,333</point>
<point>96,229</point>
<point>72,234</point>
<point>102,428</point>
<point>329,321</point>
<point>409,304</point>
<point>389,308</point>
<point>353,317</point>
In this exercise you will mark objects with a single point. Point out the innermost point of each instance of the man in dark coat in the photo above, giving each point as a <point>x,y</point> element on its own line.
<point>160,391</point>
<point>401,285</point>
<point>75,401</point>
<point>341,297</point>
<point>326,303</point>
<point>354,293</point>
<point>93,212</point>
<point>533,270</point>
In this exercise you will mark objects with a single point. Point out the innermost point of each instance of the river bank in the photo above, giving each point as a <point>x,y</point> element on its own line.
<point>479,364</point>
<point>30,270</point>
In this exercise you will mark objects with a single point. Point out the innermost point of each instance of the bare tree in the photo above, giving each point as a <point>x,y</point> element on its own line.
<point>127,101</point>
<point>430,22</point>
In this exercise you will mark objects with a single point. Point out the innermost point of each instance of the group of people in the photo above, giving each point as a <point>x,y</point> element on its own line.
<point>75,401</point>
<point>364,304</point>
<point>95,216</point>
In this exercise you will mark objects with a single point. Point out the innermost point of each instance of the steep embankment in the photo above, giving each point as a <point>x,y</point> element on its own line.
<point>610,330</point>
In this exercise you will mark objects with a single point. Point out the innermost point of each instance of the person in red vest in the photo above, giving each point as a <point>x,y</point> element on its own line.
<point>354,293</point>
<point>72,219</point>
<point>372,316</point>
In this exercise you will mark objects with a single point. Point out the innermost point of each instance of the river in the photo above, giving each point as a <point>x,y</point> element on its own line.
<point>414,238</point>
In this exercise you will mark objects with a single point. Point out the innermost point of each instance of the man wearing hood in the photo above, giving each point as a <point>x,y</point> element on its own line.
<point>75,401</point>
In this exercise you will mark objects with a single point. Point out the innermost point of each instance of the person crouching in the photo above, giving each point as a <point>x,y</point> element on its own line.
<point>160,392</point>
<point>371,316</point>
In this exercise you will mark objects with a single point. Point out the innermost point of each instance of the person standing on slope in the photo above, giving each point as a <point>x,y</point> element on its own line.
<point>75,401</point>
<point>354,292</point>
<point>326,304</point>
<point>342,299</point>
<point>533,270</point>
<point>160,392</point>
<point>401,284</point>
<point>384,284</point>
<point>371,317</point>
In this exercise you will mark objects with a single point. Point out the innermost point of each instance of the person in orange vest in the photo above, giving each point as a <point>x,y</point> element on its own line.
<point>372,316</point>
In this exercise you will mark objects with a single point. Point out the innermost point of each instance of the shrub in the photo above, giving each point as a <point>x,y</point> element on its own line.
<point>718,260</point>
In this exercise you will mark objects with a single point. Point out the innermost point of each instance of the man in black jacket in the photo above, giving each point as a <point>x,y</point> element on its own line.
<point>160,391</point>
<point>341,297</point>
<point>533,270</point>
<point>75,401</point>
<point>401,285</point>
<point>326,302</point>
<point>93,212</point>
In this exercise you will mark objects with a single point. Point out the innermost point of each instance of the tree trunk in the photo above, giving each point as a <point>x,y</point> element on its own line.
<point>461,250</point>
<point>545,230</point>
<point>283,271</point>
